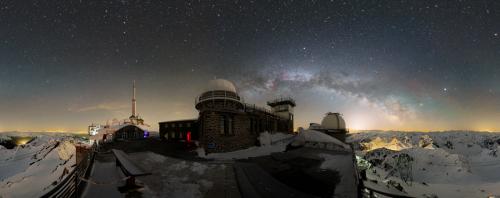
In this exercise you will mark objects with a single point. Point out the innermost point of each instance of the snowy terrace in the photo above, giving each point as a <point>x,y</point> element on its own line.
<point>215,176</point>
<point>175,175</point>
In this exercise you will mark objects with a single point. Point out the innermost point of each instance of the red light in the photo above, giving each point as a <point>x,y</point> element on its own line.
<point>188,136</point>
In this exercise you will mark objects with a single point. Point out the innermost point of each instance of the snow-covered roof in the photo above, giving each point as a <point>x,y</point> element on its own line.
<point>333,121</point>
<point>220,85</point>
<point>316,136</point>
<point>113,128</point>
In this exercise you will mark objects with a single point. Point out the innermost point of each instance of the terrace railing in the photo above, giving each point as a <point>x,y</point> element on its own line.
<point>72,185</point>
<point>253,107</point>
<point>277,100</point>
<point>211,95</point>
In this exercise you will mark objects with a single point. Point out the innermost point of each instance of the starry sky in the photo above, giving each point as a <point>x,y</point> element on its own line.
<point>389,65</point>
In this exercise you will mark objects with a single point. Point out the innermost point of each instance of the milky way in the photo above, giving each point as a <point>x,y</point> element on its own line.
<point>402,65</point>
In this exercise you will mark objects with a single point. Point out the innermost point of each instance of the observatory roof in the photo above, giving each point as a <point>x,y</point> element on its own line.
<point>220,85</point>
<point>333,121</point>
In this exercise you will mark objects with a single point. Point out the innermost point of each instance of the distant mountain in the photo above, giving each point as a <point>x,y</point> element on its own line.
<point>427,164</point>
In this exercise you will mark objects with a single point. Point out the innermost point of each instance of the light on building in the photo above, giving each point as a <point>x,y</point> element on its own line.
<point>188,136</point>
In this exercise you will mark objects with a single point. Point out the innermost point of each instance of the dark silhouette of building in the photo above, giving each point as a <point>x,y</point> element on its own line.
<point>129,132</point>
<point>180,130</point>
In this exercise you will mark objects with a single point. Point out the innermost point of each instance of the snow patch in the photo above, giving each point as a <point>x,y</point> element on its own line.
<point>270,143</point>
<point>179,166</point>
<point>66,150</point>
<point>199,168</point>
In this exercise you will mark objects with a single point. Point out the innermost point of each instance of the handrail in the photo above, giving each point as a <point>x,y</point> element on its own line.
<point>70,186</point>
<point>277,100</point>
<point>255,107</point>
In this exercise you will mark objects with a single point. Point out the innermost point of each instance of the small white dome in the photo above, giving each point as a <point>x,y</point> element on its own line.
<point>333,121</point>
<point>220,85</point>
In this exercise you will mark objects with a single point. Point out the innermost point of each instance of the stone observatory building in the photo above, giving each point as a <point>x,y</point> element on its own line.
<point>226,123</point>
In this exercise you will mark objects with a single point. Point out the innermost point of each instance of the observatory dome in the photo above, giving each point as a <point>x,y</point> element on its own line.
<point>333,121</point>
<point>220,85</point>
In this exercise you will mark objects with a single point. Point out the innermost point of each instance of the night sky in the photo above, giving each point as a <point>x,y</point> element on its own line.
<point>400,65</point>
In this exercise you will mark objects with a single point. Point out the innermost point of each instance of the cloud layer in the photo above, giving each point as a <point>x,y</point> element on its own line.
<point>107,106</point>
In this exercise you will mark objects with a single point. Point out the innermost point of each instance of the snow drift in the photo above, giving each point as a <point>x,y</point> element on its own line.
<point>270,143</point>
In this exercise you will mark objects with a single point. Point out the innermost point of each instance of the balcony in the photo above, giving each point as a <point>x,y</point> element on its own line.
<point>217,95</point>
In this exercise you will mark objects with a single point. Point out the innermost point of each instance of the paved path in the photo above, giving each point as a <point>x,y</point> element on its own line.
<point>107,176</point>
<point>255,182</point>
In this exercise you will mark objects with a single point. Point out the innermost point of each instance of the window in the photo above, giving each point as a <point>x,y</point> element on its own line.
<point>180,125</point>
<point>188,124</point>
<point>251,125</point>
<point>230,126</point>
<point>222,125</point>
<point>226,125</point>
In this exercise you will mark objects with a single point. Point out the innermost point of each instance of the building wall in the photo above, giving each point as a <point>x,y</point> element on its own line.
<point>246,125</point>
<point>216,139</point>
<point>229,125</point>
<point>177,130</point>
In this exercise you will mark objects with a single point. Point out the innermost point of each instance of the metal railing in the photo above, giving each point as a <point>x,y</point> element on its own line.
<point>72,185</point>
<point>253,107</point>
<point>278,100</point>
<point>211,95</point>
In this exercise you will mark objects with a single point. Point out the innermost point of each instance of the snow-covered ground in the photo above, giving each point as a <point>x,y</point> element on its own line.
<point>33,169</point>
<point>178,178</point>
<point>445,164</point>
<point>277,142</point>
<point>270,143</point>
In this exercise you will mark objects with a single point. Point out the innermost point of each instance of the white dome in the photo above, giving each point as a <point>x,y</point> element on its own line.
<point>333,121</point>
<point>220,85</point>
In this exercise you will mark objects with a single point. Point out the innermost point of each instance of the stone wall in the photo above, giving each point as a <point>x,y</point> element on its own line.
<point>213,141</point>
<point>244,135</point>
